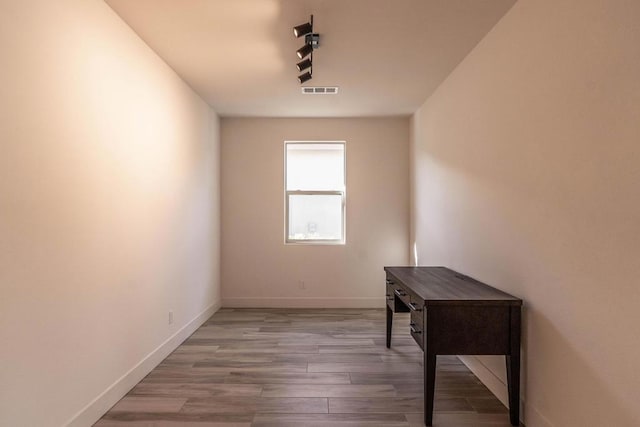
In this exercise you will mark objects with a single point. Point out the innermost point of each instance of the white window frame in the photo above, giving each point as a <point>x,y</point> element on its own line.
<point>288,193</point>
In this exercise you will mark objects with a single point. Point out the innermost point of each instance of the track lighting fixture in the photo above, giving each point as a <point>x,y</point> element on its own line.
<point>304,77</point>
<point>303,29</point>
<point>304,51</point>
<point>303,65</point>
<point>311,42</point>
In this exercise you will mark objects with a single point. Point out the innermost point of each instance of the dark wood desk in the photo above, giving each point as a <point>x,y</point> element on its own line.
<point>454,314</point>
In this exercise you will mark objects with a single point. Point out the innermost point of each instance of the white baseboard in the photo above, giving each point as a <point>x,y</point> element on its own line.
<point>488,378</point>
<point>91,413</point>
<point>300,302</point>
<point>535,418</point>
<point>499,389</point>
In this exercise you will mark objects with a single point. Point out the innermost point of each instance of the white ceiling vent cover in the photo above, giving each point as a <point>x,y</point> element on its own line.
<point>324,90</point>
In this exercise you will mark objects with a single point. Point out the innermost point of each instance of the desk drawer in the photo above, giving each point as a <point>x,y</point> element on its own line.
<point>416,331</point>
<point>417,318</point>
<point>416,305</point>
<point>402,294</point>
<point>393,300</point>
<point>389,295</point>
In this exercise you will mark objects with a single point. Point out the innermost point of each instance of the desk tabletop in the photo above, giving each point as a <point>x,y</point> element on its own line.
<point>440,285</point>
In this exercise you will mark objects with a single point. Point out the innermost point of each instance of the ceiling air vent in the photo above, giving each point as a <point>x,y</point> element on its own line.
<point>330,90</point>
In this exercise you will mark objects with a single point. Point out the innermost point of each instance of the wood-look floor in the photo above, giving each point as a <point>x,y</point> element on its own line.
<point>285,368</point>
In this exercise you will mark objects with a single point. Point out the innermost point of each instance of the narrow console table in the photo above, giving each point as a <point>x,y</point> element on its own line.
<point>454,314</point>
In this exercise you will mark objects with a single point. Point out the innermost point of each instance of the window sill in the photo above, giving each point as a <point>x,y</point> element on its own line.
<point>315,242</point>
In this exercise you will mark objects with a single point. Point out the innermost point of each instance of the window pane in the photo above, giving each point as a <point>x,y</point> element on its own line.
<point>315,167</point>
<point>315,217</point>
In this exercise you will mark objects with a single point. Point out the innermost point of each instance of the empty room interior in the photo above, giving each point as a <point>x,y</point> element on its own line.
<point>263,213</point>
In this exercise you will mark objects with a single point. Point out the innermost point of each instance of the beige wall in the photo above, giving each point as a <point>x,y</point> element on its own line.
<point>258,269</point>
<point>108,210</point>
<point>526,176</point>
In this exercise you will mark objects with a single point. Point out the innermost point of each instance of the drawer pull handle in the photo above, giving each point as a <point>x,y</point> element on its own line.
<point>413,329</point>
<point>400,293</point>
<point>414,307</point>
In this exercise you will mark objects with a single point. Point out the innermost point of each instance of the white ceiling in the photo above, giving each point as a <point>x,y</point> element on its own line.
<point>386,56</point>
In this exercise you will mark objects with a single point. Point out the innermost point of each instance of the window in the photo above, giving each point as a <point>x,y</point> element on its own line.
<point>315,192</point>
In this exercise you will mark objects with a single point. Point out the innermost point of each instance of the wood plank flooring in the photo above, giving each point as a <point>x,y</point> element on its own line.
<point>295,367</point>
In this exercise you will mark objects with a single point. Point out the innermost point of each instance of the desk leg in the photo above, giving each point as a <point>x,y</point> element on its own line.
<point>513,368</point>
<point>429,385</point>
<point>389,326</point>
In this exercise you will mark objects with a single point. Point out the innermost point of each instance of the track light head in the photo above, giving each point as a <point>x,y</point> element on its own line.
<point>304,64</point>
<point>304,51</point>
<point>304,77</point>
<point>302,29</point>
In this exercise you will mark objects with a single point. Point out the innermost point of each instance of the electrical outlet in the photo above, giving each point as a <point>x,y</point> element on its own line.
<point>170,316</point>
<point>301,284</point>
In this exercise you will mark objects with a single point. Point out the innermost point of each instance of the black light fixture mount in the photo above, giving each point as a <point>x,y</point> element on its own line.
<point>311,42</point>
